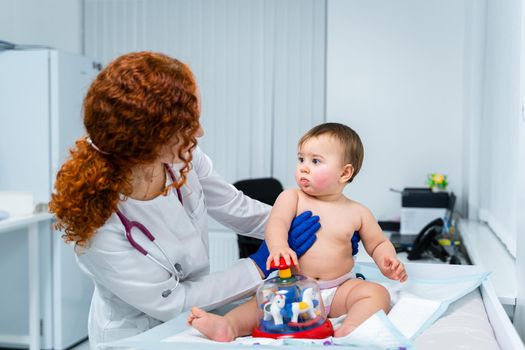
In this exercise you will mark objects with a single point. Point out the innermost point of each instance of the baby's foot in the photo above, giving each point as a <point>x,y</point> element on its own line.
<point>344,330</point>
<point>215,327</point>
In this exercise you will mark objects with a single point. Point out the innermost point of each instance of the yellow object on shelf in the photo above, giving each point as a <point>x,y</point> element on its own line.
<point>447,242</point>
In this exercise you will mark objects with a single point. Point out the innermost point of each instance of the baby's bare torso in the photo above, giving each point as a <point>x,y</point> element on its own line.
<point>331,254</point>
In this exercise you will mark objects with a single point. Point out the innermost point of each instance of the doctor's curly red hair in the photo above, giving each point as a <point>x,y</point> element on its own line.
<point>136,105</point>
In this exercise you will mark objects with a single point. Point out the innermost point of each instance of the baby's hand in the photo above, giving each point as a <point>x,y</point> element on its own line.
<point>394,269</point>
<point>281,251</point>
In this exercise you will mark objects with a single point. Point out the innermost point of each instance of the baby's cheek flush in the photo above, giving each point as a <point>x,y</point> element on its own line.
<point>321,179</point>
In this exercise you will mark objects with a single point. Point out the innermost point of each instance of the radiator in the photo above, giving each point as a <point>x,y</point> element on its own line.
<point>223,250</point>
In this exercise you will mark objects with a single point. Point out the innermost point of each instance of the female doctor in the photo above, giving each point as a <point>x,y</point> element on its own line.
<point>133,197</point>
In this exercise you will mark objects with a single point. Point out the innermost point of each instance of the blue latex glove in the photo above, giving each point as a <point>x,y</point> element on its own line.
<point>300,238</point>
<point>302,232</point>
<point>355,243</point>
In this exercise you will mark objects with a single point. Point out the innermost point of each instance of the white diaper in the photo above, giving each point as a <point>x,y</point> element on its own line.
<point>328,289</point>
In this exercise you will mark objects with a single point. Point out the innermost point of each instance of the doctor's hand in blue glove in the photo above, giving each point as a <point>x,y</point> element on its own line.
<point>301,236</point>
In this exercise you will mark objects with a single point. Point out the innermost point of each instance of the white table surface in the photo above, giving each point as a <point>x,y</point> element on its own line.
<point>17,222</point>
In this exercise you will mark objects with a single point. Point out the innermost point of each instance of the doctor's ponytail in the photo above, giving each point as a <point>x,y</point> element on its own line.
<point>87,191</point>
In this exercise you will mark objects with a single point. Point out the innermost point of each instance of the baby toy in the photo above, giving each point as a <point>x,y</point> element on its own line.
<point>304,306</point>
<point>272,310</point>
<point>291,307</point>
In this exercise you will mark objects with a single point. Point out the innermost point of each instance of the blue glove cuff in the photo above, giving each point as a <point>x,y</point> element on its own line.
<point>260,257</point>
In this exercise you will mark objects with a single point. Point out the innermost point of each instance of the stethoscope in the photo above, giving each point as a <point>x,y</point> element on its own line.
<point>174,269</point>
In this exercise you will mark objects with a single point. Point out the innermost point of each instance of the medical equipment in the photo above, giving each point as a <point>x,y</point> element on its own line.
<point>174,269</point>
<point>419,206</point>
<point>290,306</point>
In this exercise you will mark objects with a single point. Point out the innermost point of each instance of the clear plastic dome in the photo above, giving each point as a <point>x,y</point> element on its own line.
<point>290,306</point>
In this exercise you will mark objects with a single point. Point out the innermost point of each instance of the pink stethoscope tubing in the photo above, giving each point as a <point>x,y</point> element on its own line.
<point>175,270</point>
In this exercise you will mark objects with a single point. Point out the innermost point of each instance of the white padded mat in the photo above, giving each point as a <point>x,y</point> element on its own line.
<point>463,326</point>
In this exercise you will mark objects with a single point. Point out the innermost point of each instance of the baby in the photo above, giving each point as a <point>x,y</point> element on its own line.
<point>330,156</point>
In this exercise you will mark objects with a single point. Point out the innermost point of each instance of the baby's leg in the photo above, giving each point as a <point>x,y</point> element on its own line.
<point>236,323</point>
<point>359,300</point>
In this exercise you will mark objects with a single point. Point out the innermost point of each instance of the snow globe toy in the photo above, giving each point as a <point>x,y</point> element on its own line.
<point>290,306</point>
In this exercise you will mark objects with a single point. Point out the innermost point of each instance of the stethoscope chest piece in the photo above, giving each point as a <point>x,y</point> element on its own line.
<point>177,274</point>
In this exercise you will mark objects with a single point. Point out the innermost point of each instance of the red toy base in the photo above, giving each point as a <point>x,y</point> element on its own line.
<point>323,331</point>
<point>305,324</point>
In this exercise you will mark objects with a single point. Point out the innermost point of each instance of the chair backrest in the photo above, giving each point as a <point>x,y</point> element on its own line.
<point>265,190</point>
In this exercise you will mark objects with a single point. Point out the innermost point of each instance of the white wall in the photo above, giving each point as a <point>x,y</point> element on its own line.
<point>54,23</point>
<point>519,317</point>
<point>395,73</point>
<point>499,122</point>
<point>519,320</point>
<point>259,65</point>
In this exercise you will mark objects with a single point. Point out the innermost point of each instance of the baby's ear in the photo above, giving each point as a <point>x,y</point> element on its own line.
<point>348,171</point>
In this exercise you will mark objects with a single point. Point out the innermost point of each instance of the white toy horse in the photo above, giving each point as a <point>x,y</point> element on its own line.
<point>273,309</point>
<point>304,306</point>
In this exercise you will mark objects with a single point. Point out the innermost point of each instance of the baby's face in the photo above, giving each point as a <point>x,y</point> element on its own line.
<point>320,166</point>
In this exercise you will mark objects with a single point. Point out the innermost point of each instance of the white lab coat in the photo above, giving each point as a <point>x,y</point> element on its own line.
<point>128,286</point>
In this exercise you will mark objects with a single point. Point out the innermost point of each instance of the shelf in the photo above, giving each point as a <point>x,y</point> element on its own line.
<point>17,222</point>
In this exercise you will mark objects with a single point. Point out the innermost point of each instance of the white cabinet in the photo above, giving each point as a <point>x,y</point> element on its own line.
<point>32,224</point>
<point>41,93</point>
